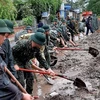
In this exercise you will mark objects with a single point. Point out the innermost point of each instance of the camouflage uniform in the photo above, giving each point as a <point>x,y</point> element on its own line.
<point>22,32</point>
<point>71,27</point>
<point>54,26</point>
<point>64,32</point>
<point>23,47</point>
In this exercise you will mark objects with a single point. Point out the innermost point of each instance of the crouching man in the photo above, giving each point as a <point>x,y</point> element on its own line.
<point>23,51</point>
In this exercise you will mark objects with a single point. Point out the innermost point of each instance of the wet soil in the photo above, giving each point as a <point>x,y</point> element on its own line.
<point>75,64</point>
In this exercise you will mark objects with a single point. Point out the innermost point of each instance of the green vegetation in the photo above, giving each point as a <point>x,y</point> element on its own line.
<point>35,7</point>
<point>7,9</point>
<point>94,6</point>
<point>28,20</point>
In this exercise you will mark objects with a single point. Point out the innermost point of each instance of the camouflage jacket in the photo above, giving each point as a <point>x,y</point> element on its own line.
<point>23,52</point>
<point>54,26</point>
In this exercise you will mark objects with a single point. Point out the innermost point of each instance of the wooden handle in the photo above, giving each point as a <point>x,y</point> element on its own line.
<point>41,72</point>
<point>17,82</point>
<point>69,49</point>
<point>34,71</point>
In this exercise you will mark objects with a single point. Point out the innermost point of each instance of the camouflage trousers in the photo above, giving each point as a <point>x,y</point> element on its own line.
<point>26,79</point>
<point>47,55</point>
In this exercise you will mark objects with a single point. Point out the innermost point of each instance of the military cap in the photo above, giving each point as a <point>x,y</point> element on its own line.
<point>28,28</point>
<point>38,38</point>
<point>55,20</point>
<point>46,28</point>
<point>10,25</point>
<point>63,20</point>
<point>3,27</point>
<point>72,18</point>
<point>59,30</point>
<point>40,30</point>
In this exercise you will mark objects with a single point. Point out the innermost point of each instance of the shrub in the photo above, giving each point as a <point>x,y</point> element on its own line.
<point>29,20</point>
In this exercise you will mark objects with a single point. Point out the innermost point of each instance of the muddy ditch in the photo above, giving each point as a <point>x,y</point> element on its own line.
<point>79,64</point>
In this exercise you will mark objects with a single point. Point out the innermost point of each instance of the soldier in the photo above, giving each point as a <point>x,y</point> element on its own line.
<point>8,91</point>
<point>65,33</point>
<point>7,49</point>
<point>22,32</point>
<point>43,47</point>
<point>47,55</point>
<point>62,42</point>
<point>76,21</point>
<point>81,27</point>
<point>23,51</point>
<point>54,26</point>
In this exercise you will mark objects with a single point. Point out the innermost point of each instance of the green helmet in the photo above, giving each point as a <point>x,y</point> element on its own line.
<point>40,30</point>
<point>3,27</point>
<point>10,25</point>
<point>46,28</point>
<point>28,28</point>
<point>38,38</point>
<point>59,30</point>
<point>63,21</point>
<point>55,20</point>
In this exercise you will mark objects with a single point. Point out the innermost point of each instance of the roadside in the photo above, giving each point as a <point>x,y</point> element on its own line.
<point>79,64</point>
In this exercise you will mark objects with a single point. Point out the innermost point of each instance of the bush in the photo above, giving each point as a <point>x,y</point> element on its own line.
<point>29,20</point>
<point>51,17</point>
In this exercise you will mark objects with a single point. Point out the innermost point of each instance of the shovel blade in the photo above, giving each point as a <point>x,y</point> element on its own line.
<point>94,52</point>
<point>79,83</point>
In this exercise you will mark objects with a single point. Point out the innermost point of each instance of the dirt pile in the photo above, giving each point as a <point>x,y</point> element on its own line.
<point>83,65</point>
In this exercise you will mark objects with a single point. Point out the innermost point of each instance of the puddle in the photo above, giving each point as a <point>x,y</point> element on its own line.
<point>41,88</point>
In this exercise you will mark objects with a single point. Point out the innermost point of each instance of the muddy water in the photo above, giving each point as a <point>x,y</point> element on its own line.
<point>41,87</point>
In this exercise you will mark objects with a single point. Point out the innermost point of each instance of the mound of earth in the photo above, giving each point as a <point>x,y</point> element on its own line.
<point>79,64</point>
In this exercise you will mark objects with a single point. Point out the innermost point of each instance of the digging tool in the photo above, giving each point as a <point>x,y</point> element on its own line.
<point>17,82</point>
<point>77,82</point>
<point>94,52</point>
<point>48,79</point>
<point>12,76</point>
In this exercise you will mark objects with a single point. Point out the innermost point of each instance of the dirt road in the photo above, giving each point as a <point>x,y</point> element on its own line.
<point>79,64</point>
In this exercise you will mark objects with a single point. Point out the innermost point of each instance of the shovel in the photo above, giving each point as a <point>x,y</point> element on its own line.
<point>77,82</point>
<point>17,82</point>
<point>94,52</point>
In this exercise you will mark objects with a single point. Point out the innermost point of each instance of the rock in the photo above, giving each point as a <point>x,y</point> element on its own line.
<point>53,94</point>
<point>89,86</point>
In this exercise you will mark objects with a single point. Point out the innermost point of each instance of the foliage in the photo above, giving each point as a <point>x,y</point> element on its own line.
<point>23,8</point>
<point>7,9</point>
<point>40,6</point>
<point>91,5</point>
<point>36,7</point>
<point>94,6</point>
<point>51,17</point>
<point>29,20</point>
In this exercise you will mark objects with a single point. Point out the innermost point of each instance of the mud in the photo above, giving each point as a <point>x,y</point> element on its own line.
<point>79,64</point>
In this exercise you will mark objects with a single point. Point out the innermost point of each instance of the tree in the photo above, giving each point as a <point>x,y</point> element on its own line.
<point>94,6</point>
<point>7,10</point>
<point>36,7</point>
<point>23,8</point>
